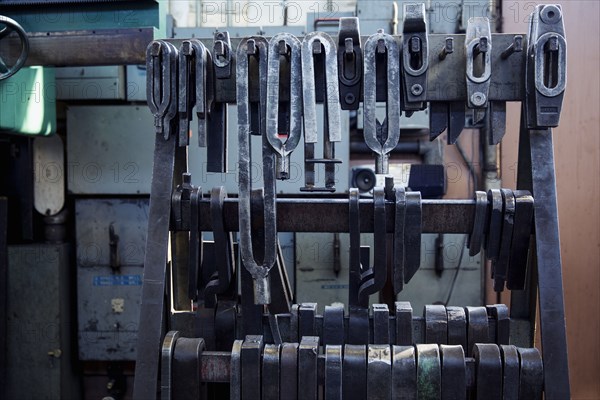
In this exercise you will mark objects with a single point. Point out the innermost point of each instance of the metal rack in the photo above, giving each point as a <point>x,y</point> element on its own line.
<point>458,352</point>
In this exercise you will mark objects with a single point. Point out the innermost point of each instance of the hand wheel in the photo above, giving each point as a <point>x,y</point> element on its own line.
<point>10,29</point>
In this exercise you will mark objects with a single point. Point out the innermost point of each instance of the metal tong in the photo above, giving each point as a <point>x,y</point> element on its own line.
<point>161,85</point>
<point>318,47</point>
<point>287,123</point>
<point>381,51</point>
<point>255,47</point>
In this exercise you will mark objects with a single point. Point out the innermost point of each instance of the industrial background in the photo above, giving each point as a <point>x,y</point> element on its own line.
<point>85,114</point>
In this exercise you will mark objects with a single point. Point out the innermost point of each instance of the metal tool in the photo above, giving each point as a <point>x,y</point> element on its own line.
<point>454,379</point>
<point>381,54</point>
<point>477,234</point>
<point>194,61</point>
<point>354,367</point>
<point>379,372</point>
<point>161,60</point>
<point>429,371</point>
<point>517,272</point>
<point>223,61</point>
<point>500,265</point>
<point>319,59</point>
<point>373,279</point>
<point>412,235</point>
<point>546,67</point>
<point>283,116</point>
<point>270,372</point>
<point>350,63</point>
<point>399,250</point>
<point>308,352</point>
<point>333,372</point>
<point>478,49</point>
<point>404,373</point>
<point>255,47</point>
<point>415,57</point>
<point>489,371</point>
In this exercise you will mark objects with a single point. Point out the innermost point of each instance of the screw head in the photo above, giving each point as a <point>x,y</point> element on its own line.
<point>478,99</point>
<point>416,89</point>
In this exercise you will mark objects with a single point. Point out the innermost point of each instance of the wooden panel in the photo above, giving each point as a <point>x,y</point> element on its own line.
<point>577,153</point>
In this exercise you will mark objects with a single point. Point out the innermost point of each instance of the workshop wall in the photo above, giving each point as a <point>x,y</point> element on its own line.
<point>577,156</point>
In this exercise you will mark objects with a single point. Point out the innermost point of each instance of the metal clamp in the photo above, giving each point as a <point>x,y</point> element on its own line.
<point>546,67</point>
<point>318,48</point>
<point>415,57</point>
<point>255,47</point>
<point>350,63</point>
<point>478,46</point>
<point>381,137</point>
<point>287,45</point>
<point>161,84</point>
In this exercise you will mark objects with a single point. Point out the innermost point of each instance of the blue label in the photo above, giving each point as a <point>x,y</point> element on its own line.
<point>118,280</point>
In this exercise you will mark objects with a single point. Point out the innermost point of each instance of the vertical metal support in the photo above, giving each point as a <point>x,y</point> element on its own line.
<point>549,266</point>
<point>3,292</point>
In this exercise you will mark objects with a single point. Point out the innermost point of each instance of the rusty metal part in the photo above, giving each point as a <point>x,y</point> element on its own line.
<point>429,372</point>
<point>494,231</point>
<point>166,365</point>
<point>333,325</point>
<point>510,372</point>
<point>531,376</point>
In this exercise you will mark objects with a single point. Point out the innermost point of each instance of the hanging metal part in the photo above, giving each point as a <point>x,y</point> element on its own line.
<point>412,235</point>
<point>381,51</point>
<point>350,63</point>
<point>354,368</point>
<point>510,372</point>
<point>415,57</point>
<point>193,64</point>
<point>477,234</point>
<point>216,133</point>
<point>546,67</point>
<point>399,250</point>
<point>319,61</point>
<point>220,282</point>
<point>517,272</point>
<point>429,372</point>
<point>283,116</point>
<point>333,372</point>
<point>488,366</point>
<point>196,244</point>
<point>478,48</point>
<point>373,279</point>
<point>454,379</point>
<point>404,373</point>
<point>289,371</point>
<point>500,265</point>
<point>255,47</point>
<point>161,81</point>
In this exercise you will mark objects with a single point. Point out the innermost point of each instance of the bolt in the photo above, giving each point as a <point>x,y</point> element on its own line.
<point>478,99</point>
<point>447,49</point>
<point>415,44</point>
<point>515,47</point>
<point>483,44</point>
<point>416,89</point>
<point>553,43</point>
<point>349,98</point>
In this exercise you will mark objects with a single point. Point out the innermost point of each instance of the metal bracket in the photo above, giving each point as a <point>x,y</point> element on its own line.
<point>415,57</point>
<point>478,48</point>
<point>546,67</point>
<point>350,63</point>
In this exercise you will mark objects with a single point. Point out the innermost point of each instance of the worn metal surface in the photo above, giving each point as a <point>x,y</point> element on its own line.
<point>404,373</point>
<point>308,353</point>
<point>270,372</point>
<point>429,371</point>
<point>251,355</point>
<point>399,249</point>
<point>289,371</point>
<point>454,380</point>
<point>333,372</point>
<point>379,372</point>
<point>436,324</point>
<point>457,326</point>
<point>48,182</point>
<point>186,368</point>
<point>489,372</point>
<point>413,227</point>
<point>476,237</point>
<point>354,369</point>
<point>510,372</point>
<point>109,293</point>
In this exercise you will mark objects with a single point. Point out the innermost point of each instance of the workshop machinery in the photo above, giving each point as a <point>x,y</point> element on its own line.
<point>242,327</point>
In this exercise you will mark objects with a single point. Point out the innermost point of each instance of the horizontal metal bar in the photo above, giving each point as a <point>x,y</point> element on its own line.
<point>446,79</point>
<point>85,48</point>
<point>215,367</point>
<point>331,215</point>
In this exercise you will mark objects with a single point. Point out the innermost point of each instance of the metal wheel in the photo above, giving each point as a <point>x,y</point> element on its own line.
<point>9,31</point>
